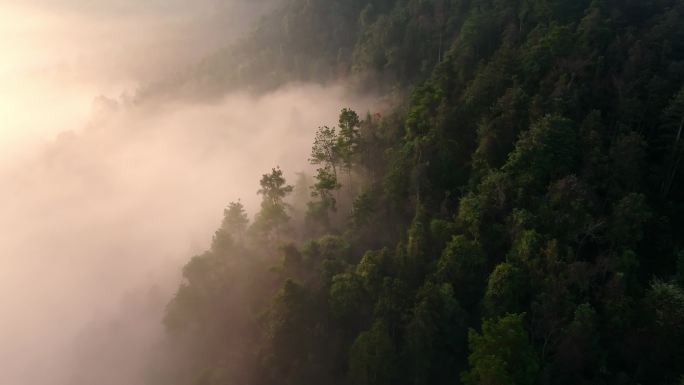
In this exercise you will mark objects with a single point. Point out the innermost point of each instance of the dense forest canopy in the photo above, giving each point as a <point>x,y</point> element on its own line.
<point>514,218</point>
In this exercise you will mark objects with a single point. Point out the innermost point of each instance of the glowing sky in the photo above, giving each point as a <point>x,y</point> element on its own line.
<point>36,97</point>
<point>56,56</point>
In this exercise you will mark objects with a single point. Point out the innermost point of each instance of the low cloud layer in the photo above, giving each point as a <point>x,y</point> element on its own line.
<point>97,224</point>
<point>103,201</point>
<point>56,55</point>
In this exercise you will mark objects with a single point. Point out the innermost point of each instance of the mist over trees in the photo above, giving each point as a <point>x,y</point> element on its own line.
<point>515,217</point>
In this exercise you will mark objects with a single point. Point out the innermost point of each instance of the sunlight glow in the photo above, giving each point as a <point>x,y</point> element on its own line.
<point>38,97</point>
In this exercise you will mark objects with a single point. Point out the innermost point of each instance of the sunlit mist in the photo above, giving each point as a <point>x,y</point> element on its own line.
<point>95,219</point>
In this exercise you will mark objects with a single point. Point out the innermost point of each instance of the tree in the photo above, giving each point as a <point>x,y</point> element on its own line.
<point>273,215</point>
<point>326,184</point>
<point>301,196</point>
<point>364,208</point>
<point>506,290</point>
<point>326,153</point>
<point>436,336</point>
<point>325,150</point>
<point>502,354</point>
<point>413,260</point>
<point>372,268</point>
<point>663,308</point>
<point>288,334</point>
<point>373,359</point>
<point>541,150</point>
<point>333,151</point>
<point>348,299</point>
<point>547,150</point>
<point>630,214</point>
<point>235,219</point>
<point>463,264</point>
<point>672,133</point>
<point>274,188</point>
<point>627,157</point>
<point>665,301</point>
<point>577,359</point>
<point>348,138</point>
<point>348,143</point>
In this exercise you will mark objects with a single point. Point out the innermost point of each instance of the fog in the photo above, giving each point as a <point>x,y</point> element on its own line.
<point>102,200</point>
<point>56,55</point>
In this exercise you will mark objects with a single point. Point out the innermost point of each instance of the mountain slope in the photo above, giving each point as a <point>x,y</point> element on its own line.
<point>516,220</point>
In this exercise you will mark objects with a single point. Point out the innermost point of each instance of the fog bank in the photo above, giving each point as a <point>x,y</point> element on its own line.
<point>102,200</point>
<point>56,55</point>
<point>96,225</point>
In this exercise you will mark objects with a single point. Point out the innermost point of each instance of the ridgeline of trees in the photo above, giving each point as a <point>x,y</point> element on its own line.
<point>517,220</point>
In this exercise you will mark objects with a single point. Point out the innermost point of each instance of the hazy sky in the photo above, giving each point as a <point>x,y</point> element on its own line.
<point>57,55</point>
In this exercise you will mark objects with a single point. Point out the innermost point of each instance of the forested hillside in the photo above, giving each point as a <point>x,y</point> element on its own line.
<point>517,219</point>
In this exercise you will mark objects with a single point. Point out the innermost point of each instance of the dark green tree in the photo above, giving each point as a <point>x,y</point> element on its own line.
<point>235,219</point>
<point>272,219</point>
<point>501,354</point>
<point>373,358</point>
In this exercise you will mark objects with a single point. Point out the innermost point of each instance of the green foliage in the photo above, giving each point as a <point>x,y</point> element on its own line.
<point>325,148</point>
<point>566,213</point>
<point>667,303</point>
<point>274,188</point>
<point>347,295</point>
<point>628,219</point>
<point>373,358</point>
<point>526,161</point>
<point>235,219</point>
<point>548,150</point>
<point>479,209</point>
<point>273,216</point>
<point>363,208</point>
<point>627,155</point>
<point>501,354</point>
<point>671,140</point>
<point>579,356</point>
<point>349,136</point>
<point>436,336</point>
<point>463,265</point>
<point>680,269</point>
<point>326,184</point>
<point>441,231</point>
<point>333,151</point>
<point>372,268</point>
<point>507,290</point>
<point>289,322</point>
<point>413,260</point>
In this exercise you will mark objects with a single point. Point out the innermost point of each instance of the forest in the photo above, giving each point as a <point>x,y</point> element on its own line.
<point>513,216</point>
